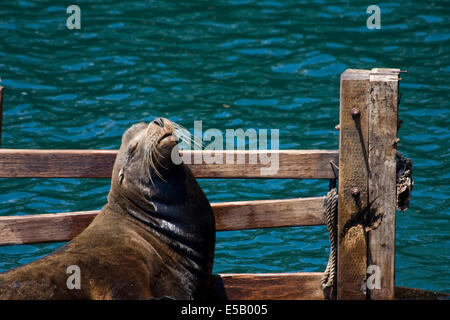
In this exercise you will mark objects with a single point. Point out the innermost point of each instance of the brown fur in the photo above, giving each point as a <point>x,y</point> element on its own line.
<point>154,238</point>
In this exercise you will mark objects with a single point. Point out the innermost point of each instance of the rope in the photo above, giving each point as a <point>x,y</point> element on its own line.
<point>404,181</point>
<point>330,213</point>
<point>404,187</point>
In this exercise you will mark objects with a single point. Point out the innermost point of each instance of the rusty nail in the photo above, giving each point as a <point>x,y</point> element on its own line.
<point>355,191</point>
<point>355,112</point>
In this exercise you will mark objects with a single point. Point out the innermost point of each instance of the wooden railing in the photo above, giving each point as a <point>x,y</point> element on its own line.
<point>238,215</point>
<point>294,164</point>
<point>365,166</point>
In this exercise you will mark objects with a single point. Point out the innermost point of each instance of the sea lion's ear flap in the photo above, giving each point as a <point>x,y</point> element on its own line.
<point>121,176</point>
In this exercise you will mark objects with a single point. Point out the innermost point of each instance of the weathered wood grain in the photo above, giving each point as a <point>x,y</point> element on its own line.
<point>301,164</point>
<point>22,163</point>
<point>353,175</point>
<point>274,286</point>
<point>268,213</point>
<point>43,227</point>
<point>367,188</point>
<point>229,216</point>
<point>382,180</point>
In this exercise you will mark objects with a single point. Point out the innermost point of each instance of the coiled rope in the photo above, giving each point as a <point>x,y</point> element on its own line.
<point>330,213</point>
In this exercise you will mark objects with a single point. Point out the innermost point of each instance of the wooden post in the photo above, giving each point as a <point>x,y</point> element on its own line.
<point>382,181</point>
<point>352,189</point>
<point>366,210</point>
<point>1,113</point>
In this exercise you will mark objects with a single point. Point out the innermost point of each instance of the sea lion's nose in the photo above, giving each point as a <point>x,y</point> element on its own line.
<point>159,122</point>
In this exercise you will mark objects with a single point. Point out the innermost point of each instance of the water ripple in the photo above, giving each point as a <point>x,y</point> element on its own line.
<point>239,63</point>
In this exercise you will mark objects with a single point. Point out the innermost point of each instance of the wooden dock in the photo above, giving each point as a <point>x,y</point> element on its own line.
<point>365,166</point>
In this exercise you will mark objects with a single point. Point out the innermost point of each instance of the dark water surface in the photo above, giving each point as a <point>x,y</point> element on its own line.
<point>232,64</point>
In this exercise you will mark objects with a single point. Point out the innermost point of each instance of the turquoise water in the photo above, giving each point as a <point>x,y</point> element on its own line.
<point>231,64</point>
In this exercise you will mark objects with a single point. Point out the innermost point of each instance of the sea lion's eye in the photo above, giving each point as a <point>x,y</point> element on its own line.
<point>132,150</point>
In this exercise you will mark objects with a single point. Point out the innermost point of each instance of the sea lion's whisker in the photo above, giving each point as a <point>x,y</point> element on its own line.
<point>187,139</point>
<point>150,164</point>
<point>154,150</point>
<point>147,165</point>
<point>182,131</point>
<point>151,156</point>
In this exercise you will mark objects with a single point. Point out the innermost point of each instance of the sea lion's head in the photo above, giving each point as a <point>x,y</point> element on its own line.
<point>164,197</point>
<point>150,178</point>
<point>145,152</point>
<point>144,170</point>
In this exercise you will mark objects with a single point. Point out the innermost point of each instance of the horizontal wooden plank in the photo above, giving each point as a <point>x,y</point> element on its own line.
<point>301,164</point>
<point>264,286</point>
<point>43,227</point>
<point>229,216</point>
<point>21,163</point>
<point>296,164</point>
<point>268,213</point>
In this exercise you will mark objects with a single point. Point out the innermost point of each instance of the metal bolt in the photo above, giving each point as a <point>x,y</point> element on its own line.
<point>355,112</point>
<point>355,191</point>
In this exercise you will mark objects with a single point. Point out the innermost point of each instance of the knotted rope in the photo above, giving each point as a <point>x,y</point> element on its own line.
<point>330,213</point>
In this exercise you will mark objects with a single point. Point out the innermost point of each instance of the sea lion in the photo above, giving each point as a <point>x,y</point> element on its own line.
<point>154,238</point>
